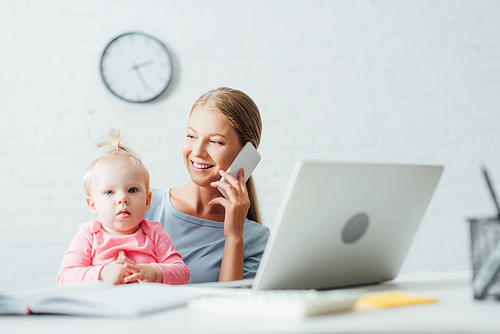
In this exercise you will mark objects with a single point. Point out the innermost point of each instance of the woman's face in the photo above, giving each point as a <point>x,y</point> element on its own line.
<point>211,144</point>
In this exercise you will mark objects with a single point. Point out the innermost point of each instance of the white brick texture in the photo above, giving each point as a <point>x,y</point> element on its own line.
<point>362,81</point>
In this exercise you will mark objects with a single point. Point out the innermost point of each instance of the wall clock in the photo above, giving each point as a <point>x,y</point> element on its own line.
<point>136,67</point>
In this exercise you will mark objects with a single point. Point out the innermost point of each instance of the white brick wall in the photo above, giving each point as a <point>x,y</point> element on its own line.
<point>365,81</point>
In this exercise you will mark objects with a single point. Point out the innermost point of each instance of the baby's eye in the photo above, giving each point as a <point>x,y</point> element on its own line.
<point>109,192</point>
<point>133,190</point>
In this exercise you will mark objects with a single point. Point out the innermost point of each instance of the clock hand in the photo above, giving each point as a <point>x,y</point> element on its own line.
<point>136,68</point>
<point>144,64</point>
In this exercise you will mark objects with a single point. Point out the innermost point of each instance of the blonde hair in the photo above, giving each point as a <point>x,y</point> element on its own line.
<point>244,116</point>
<point>115,155</point>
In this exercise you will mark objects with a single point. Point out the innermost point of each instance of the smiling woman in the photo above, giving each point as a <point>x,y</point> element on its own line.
<point>210,145</point>
<point>219,239</point>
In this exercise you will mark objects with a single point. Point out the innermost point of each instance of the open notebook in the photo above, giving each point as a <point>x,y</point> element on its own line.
<point>97,299</point>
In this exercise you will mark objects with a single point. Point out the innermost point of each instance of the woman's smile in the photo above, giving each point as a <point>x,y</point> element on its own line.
<point>202,166</point>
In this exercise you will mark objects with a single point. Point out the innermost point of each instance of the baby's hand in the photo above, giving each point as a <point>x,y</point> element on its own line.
<point>114,273</point>
<point>142,272</point>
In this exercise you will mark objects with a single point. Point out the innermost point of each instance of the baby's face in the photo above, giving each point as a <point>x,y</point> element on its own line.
<point>118,197</point>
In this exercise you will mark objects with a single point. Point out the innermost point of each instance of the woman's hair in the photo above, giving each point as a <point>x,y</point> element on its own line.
<point>244,116</point>
<point>116,154</point>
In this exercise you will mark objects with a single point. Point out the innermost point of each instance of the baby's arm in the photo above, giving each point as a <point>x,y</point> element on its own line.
<point>174,270</point>
<point>171,270</point>
<point>76,265</point>
<point>168,268</point>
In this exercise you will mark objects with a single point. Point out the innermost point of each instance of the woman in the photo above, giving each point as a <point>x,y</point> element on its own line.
<point>219,239</point>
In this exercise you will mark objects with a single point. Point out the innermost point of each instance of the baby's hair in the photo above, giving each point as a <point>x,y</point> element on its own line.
<point>116,153</point>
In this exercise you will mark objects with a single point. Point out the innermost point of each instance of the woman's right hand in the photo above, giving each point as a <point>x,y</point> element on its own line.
<point>236,209</point>
<point>236,206</point>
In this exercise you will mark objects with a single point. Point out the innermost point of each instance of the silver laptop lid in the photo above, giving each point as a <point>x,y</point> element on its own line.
<point>345,224</point>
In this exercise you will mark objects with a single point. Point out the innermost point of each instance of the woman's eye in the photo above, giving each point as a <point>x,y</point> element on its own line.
<point>217,142</point>
<point>189,136</point>
<point>133,190</point>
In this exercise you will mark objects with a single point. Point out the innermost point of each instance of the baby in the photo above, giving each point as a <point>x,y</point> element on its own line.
<point>121,247</point>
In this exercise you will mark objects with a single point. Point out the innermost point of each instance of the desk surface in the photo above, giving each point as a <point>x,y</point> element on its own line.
<point>455,312</point>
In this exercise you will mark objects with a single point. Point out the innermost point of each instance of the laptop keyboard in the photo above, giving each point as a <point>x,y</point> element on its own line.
<point>276,303</point>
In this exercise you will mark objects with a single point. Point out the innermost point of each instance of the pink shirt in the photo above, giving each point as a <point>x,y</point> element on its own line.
<point>92,248</point>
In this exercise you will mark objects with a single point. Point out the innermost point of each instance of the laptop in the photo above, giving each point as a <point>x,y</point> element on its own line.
<point>344,224</point>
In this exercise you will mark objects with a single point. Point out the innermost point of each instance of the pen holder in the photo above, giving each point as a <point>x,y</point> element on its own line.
<point>485,247</point>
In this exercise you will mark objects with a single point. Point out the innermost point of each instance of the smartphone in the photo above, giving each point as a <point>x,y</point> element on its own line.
<point>248,158</point>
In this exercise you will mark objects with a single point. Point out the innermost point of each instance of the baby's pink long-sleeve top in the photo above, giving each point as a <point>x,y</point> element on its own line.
<point>92,248</point>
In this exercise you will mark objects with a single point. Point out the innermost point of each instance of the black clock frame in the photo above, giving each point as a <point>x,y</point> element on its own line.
<point>135,33</point>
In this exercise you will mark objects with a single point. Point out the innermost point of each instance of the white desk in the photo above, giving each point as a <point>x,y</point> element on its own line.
<point>455,312</point>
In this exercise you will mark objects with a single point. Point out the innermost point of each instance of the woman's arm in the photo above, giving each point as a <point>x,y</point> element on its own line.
<point>231,268</point>
<point>236,209</point>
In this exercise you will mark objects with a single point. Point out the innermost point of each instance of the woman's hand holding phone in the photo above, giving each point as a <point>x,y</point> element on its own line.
<point>236,204</point>
<point>233,186</point>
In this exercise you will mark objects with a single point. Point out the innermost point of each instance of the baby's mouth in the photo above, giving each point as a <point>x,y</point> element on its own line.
<point>123,214</point>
